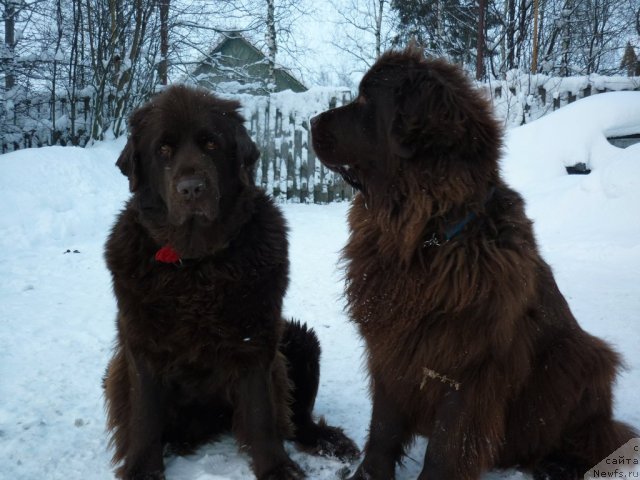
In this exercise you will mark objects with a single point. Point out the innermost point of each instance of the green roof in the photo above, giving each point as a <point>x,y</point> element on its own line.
<point>235,59</point>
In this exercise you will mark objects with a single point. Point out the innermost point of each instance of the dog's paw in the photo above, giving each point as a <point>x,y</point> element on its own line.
<point>323,439</point>
<point>285,471</point>
<point>145,476</point>
<point>343,473</point>
<point>359,475</point>
<point>335,443</point>
<point>366,473</point>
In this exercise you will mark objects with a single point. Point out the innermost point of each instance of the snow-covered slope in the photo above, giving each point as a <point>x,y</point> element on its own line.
<point>57,310</point>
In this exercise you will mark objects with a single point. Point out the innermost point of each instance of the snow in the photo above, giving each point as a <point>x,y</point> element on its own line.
<point>564,135</point>
<point>57,310</point>
<point>522,98</point>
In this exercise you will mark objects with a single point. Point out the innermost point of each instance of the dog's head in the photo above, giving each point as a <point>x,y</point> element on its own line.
<point>188,156</point>
<point>413,118</point>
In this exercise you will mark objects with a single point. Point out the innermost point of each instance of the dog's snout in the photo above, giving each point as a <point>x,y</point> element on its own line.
<point>191,187</point>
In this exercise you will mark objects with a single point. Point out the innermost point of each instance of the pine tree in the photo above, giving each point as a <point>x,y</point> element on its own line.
<point>446,28</point>
<point>630,62</point>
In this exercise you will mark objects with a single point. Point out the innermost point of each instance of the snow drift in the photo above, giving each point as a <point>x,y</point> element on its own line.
<point>57,309</point>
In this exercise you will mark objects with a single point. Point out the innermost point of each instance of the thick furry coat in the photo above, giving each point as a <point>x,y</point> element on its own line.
<point>199,264</point>
<point>469,341</point>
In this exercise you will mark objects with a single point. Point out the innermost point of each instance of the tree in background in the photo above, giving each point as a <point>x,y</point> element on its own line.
<point>10,13</point>
<point>600,34</point>
<point>462,31</point>
<point>123,44</point>
<point>446,28</point>
<point>561,37</point>
<point>630,64</point>
<point>269,24</point>
<point>364,29</point>
<point>481,42</point>
<point>97,59</point>
<point>163,66</point>
<point>78,67</point>
<point>20,22</point>
<point>25,57</point>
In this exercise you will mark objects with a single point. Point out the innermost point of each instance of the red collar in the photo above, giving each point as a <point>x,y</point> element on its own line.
<point>167,255</point>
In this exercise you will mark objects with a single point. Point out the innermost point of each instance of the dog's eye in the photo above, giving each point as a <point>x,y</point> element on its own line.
<point>166,150</point>
<point>210,145</point>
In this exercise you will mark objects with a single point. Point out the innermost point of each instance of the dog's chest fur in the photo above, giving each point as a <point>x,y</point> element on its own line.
<point>427,323</point>
<point>207,312</point>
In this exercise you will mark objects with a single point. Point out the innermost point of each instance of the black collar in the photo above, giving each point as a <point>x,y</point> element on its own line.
<point>454,229</point>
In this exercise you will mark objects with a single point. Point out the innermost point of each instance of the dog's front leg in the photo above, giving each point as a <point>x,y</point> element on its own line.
<point>467,435</point>
<point>143,459</point>
<point>255,427</point>
<point>388,435</point>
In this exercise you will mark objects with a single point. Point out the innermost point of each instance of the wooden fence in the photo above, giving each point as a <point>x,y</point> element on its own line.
<point>523,98</point>
<point>288,168</point>
<point>29,123</point>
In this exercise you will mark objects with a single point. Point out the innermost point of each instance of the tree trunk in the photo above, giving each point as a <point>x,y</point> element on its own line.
<point>534,53</point>
<point>522,33</point>
<point>54,77</point>
<point>378,32</point>
<point>566,38</point>
<point>10,13</point>
<point>511,23</point>
<point>163,66</point>
<point>76,78</point>
<point>271,44</point>
<point>142,13</point>
<point>482,6</point>
<point>439,25</point>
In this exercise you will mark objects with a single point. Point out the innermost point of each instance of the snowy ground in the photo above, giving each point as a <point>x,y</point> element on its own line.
<point>57,310</point>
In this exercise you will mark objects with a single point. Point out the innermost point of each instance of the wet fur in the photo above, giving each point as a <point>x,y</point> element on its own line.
<point>202,348</point>
<point>469,341</point>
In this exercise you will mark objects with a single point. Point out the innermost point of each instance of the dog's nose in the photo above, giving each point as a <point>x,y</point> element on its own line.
<point>191,187</point>
<point>314,120</point>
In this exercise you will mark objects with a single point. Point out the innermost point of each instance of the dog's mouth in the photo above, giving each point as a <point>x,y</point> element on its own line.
<point>202,216</point>
<point>347,172</point>
<point>197,215</point>
<point>325,148</point>
<point>349,176</point>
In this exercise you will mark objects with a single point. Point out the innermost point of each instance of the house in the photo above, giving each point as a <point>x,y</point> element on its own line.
<point>235,65</point>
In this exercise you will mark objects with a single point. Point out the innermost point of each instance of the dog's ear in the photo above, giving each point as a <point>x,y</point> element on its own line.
<point>247,153</point>
<point>429,115</point>
<point>128,164</point>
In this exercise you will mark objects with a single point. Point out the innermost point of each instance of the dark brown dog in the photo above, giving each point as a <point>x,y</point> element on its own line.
<point>469,340</point>
<point>199,265</point>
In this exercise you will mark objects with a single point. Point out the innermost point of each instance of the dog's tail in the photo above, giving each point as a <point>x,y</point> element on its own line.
<point>606,437</point>
<point>587,448</point>
<point>301,348</point>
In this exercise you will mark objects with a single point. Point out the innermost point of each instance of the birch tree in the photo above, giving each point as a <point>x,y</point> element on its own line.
<point>364,30</point>
<point>269,24</point>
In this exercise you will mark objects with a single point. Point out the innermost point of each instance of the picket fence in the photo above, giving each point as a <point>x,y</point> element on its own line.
<point>279,124</point>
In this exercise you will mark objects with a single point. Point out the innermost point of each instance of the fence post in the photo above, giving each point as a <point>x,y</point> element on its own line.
<point>303,175</point>
<point>543,95</point>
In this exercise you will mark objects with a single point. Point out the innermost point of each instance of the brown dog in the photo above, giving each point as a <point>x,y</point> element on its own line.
<point>469,340</point>
<point>199,265</point>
